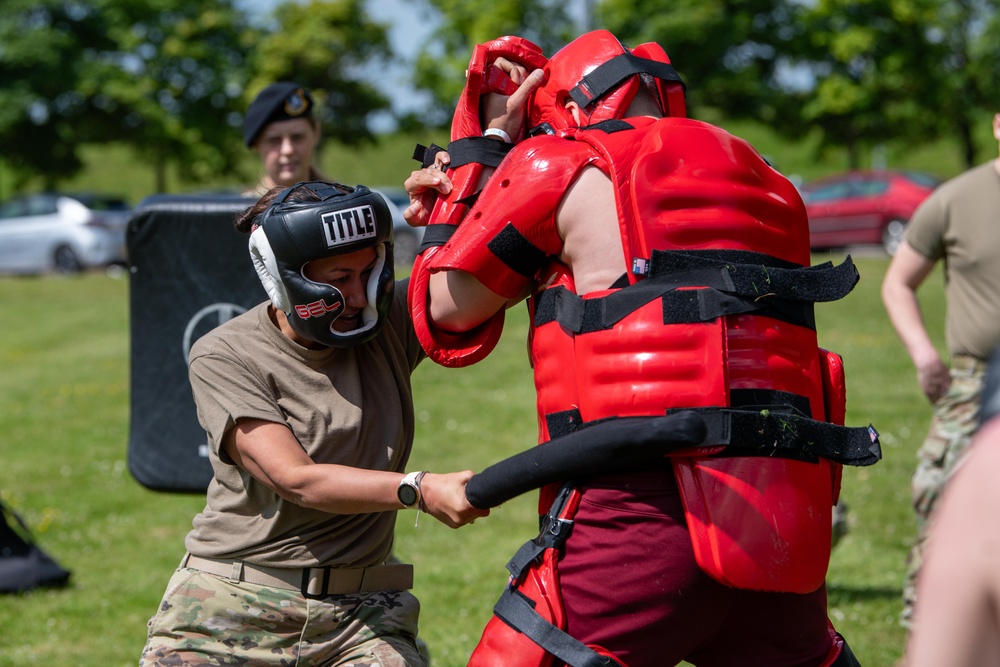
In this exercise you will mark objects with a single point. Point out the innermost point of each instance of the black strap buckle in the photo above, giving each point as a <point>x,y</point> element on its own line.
<point>307,580</point>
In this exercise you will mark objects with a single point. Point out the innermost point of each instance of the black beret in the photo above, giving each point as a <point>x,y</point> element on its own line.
<point>279,101</point>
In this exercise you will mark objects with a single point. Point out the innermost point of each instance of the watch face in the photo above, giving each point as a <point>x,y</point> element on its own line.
<point>407,494</point>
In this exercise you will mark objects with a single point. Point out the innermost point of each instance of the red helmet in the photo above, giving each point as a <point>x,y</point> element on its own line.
<point>601,74</point>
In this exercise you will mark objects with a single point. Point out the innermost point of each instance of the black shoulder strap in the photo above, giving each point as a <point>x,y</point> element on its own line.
<point>517,611</point>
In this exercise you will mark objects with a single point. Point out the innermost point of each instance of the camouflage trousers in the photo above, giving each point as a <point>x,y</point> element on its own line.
<point>955,420</point>
<point>208,620</point>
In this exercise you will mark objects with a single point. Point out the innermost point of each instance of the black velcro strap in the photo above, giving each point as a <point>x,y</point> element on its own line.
<point>782,433</point>
<point>765,399</point>
<point>610,126</point>
<point>425,155</point>
<point>606,78</point>
<point>761,276</point>
<point>664,261</point>
<point>553,531</point>
<point>705,305</point>
<point>480,150</point>
<point>766,286</point>
<point>563,422</point>
<point>437,235</point>
<point>586,315</point>
<point>517,611</point>
<point>517,252</point>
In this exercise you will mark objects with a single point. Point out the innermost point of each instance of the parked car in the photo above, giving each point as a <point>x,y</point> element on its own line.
<point>62,233</point>
<point>864,207</point>
<point>406,239</point>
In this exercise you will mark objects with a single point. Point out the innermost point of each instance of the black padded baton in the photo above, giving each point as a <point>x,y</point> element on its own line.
<point>606,446</point>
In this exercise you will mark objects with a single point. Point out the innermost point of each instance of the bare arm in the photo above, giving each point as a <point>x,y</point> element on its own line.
<point>270,453</point>
<point>959,588</point>
<point>906,273</point>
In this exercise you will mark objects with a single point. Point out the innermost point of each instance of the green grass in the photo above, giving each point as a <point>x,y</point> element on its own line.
<point>64,388</point>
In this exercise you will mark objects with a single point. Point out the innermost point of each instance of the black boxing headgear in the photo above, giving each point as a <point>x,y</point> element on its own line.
<point>292,233</point>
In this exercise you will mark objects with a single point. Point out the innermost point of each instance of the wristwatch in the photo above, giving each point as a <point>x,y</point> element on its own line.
<point>408,491</point>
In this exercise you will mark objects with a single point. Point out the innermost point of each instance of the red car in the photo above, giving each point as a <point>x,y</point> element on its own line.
<point>864,207</point>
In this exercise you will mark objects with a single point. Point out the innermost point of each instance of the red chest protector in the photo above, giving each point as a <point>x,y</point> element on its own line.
<point>717,317</point>
<point>691,189</point>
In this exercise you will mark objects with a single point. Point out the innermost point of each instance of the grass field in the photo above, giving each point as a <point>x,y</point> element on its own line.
<point>64,396</point>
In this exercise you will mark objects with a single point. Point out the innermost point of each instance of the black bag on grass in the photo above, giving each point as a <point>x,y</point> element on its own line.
<point>23,564</point>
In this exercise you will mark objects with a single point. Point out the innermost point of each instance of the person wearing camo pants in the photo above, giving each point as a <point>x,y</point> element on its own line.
<point>956,225</point>
<point>307,404</point>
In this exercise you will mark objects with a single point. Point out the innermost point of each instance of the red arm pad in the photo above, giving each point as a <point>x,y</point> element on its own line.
<point>450,349</point>
<point>482,77</point>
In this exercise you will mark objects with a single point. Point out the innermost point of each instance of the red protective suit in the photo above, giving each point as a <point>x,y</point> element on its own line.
<point>693,202</point>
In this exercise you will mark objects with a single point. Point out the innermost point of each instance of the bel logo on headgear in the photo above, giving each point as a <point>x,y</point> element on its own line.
<point>348,225</point>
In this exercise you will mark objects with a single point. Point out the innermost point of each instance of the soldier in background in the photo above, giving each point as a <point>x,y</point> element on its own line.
<point>281,128</point>
<point>957,226</point>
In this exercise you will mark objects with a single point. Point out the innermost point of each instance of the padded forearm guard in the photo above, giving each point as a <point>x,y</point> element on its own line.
<point>470,153</point>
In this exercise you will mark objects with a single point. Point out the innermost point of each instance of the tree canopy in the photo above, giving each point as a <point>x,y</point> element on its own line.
<point>172,79</point>
<point>441,63</point>
<point>859,72</point>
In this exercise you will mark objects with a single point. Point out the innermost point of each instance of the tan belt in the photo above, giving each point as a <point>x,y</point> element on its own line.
<point>312,582</point>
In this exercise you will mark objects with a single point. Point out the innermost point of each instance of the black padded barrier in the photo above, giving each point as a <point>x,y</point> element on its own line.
<point>190,270</point>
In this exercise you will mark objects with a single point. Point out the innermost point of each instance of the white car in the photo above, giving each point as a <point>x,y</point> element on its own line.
<point>50,232</point>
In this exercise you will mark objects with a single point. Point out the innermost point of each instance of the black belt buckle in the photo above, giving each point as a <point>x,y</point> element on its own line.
<point>307,579</point>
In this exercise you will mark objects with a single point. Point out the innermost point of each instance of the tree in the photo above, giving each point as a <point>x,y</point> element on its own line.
<point>327,47</point>
<point>731,53</point>
<point>164,78</point>
<point>860,72</point>
<point>180,71</point>
<point>44,49</point>
<point>905,70</point>
<point>464,23</point>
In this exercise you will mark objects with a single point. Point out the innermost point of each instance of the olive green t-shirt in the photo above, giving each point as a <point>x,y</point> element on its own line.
<point>348,406</point>
<point>960,224</point>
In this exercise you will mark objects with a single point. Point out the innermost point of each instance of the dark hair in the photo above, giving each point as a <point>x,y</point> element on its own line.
<point>245,221</point>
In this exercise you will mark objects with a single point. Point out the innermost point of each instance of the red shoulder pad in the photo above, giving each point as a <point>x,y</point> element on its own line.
<point>516,212</point>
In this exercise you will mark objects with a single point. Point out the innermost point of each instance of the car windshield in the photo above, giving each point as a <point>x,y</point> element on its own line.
<point>102,203</point>
<point>920,178</point>
<point>40,204</point>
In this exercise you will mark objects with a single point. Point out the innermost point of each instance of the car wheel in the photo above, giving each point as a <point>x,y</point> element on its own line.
<point>65,260</point>
<point>405,245</point>
<point>892,236</point>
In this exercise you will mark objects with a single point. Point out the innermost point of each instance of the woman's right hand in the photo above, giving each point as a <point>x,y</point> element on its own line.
<point>423,187</point>
<point>444,498</point>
